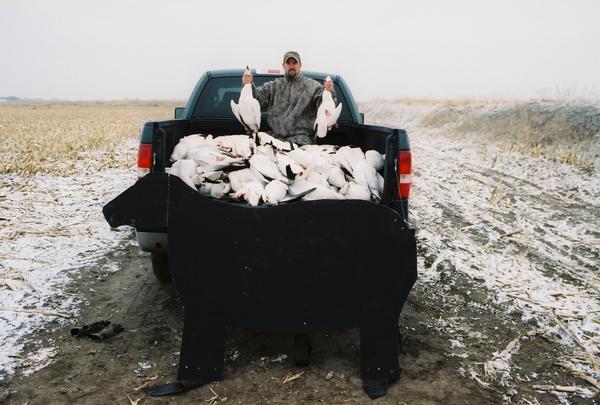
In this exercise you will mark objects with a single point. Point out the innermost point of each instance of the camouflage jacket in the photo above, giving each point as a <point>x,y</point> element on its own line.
<point>291,105</point>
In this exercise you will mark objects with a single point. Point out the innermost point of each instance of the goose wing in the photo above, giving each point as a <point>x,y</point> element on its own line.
<point>235,109</point>
<point>256,110</point>
<point>335,114</point>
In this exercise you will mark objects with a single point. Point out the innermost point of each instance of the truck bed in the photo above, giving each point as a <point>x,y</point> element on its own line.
<point>389,141</point>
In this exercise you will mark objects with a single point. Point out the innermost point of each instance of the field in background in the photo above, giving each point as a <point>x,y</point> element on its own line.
<point>566,132</point>
<point>64,138</point>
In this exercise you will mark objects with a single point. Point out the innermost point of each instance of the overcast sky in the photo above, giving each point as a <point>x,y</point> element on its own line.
<point>114,49</point>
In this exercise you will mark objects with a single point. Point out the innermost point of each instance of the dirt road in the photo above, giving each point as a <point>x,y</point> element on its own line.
<point>87,372</point>
<point>506,255</point>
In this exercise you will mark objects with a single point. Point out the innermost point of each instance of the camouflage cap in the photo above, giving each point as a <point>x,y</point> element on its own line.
<point>291,54</point>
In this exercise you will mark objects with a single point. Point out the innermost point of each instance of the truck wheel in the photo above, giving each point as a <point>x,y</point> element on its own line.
<point>302,350</point>
<point>160,266</point>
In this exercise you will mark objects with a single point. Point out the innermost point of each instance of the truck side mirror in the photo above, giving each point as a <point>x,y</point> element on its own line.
<point>362,118</point>
<point>179,112</point>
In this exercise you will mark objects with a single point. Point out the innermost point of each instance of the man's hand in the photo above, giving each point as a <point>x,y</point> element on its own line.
<point>247,79</point>
<point>329,85</point>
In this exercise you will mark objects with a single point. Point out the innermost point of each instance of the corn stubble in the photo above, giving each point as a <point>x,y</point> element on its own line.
<point>559,131</point>
<point>64,138</point>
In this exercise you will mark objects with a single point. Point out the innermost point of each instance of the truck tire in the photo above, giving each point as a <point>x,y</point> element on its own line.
<point>160,266</point>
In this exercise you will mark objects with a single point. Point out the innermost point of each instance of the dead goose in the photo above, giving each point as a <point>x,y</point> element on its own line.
<point>266,150</point>
<point>365,174</point>
<point>319,149</point>
<point>265,139</point>
<point>327,113</point>
<point>301,185</point>
<point>336,177</point>
<point>184,169</point>
<point>355,191</point>
<point>210,158</point>
<point>375,159</point>
<point>186,143</point>
<point>261,164</point>
<point>214,190</point>
<point>247,111</point>
<point>240,177</point>
<point>253,192</point>
<point>285,160</point>
<point>275,191</point>
<point>236,145</point>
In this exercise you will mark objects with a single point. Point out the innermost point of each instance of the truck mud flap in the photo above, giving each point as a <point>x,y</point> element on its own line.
<point>294,268</point>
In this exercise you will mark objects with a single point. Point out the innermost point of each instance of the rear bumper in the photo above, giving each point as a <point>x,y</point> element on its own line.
<point>153,241</point>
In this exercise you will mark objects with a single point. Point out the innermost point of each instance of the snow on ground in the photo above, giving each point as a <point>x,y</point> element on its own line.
<point>527,227</point>
<point>51,228</point>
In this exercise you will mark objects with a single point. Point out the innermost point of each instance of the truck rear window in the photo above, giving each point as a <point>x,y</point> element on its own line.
<point>215,100</point>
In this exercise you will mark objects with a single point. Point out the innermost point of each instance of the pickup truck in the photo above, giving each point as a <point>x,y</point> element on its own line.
<point>297,268</point>
<point>208,111</point>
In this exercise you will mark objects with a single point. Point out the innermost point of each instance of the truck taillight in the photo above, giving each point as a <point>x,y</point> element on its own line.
<point>144,159</point>
<point>404,173</point>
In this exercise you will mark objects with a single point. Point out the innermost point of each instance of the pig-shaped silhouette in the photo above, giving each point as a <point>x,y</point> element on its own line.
<point>294,268</point>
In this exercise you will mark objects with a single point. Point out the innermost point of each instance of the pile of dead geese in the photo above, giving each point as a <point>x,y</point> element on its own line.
<point>264,169</point>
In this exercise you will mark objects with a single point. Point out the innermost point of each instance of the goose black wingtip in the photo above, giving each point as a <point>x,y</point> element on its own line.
<point>289,173</point>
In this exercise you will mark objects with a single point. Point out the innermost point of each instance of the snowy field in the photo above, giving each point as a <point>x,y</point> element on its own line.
<point>528,228</point>
<point>52,227</point>
<point>60,164</point>
<point>523,227</point>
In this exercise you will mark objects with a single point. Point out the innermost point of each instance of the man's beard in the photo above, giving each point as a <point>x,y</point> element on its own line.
<point>291,73</point>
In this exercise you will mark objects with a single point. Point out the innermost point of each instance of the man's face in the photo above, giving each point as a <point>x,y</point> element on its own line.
<point>291,67</point>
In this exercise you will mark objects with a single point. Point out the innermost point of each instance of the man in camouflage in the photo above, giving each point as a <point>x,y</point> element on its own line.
<point>291,102</point>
